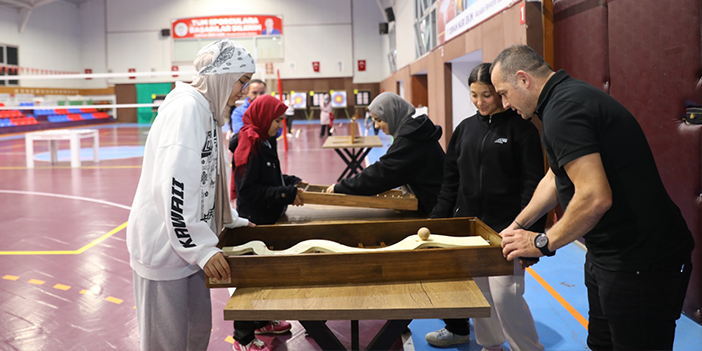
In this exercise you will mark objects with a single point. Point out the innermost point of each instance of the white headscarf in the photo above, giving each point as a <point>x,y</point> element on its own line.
<point>219,65</point>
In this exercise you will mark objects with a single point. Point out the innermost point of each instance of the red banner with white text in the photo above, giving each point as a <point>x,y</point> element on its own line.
<point>226,26</point>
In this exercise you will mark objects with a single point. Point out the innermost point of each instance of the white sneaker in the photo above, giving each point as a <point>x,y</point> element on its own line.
<point>443,338</point>
<point>255,345</point>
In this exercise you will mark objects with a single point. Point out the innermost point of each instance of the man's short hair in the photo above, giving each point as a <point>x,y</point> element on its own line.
<point>257,81</point>
<point>520,57</point>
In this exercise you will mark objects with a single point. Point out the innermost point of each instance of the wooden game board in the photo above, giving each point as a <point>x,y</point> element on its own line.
<point>392,199</point>
<point>377,266</point>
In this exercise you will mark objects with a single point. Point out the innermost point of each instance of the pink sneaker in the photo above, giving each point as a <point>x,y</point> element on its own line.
<point>274,327</point>
<point>255,345</point>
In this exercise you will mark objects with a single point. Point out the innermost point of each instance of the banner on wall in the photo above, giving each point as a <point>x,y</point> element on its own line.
<point>226,26</point>
<point>457,16</point>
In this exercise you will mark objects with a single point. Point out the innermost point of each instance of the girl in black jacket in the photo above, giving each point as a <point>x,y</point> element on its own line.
<point>263,192</point>
<point>493,164</point>
<point>414,160</point>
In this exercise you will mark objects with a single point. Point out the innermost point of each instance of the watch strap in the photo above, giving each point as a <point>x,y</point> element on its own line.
<point>544,250</point>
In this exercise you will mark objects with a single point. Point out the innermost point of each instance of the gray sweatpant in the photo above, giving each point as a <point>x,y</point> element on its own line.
<point>173,314</point>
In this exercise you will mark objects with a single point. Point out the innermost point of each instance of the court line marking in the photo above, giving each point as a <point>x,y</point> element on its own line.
<point>573,312</point>
<point>69,252</point>
<point>59,286</point>
<point>69,167</point>
<point>70,197</point>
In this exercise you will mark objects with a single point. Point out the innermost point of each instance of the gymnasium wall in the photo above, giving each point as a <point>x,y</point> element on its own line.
<point>488,38</point>
<point>114,35</point>
<point>647,54</point>
<point>314,30</point>
<point>51,40</point>
<point>404,33</point>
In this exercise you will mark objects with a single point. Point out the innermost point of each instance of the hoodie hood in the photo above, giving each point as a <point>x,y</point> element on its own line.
<point>181,90</point>
<point>420,128</point>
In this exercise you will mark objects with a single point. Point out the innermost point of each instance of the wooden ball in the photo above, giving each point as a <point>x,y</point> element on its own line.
<point>423,233</point>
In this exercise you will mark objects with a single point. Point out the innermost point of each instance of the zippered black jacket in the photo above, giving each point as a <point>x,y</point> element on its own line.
<point>415,159</point>
<point>263,193</point>
<point>493,165</point>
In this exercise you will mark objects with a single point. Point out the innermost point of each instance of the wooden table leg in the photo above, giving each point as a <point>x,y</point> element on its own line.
<point>326,339</point>
<point>96,146</point>
<point>355,158</point>
<point>346,161</point>
<point>322,335</point>
<point>354,336</point>
<point>53,151</point>
<point>388,334</point>
<point>75,151</point>
<point>362,153</point>
<point>29,150</point>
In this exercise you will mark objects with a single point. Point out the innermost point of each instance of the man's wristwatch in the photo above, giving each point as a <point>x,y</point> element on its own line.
<point>541,243</point>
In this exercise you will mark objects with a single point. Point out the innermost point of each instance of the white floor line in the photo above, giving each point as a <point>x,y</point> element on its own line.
<point>65,197</point>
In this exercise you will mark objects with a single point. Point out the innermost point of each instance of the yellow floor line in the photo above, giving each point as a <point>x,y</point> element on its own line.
<point>559,298</point>
<point>62,287</point>
<point>69,252</point>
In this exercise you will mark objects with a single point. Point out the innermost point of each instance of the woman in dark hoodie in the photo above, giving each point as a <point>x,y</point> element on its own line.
<point>414,160</point>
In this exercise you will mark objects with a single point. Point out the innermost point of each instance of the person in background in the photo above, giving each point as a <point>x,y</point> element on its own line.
<point>414,160</point>
<point>604,175</point>
<point>325,111</point>
<point>289,116</point>
<point>493,164</point>
<point>270,29</point>
<point>257,88</point>
<point>181,203</point>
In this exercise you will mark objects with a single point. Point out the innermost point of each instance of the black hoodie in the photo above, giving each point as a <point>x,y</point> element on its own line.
<point>493,165</point>
<point>415,159</point>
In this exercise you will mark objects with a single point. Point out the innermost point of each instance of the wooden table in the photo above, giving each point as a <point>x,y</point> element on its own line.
<point>53,136</point>
<point>356,151</point>
<point>311,213</point>
<point>398,303</point>
<point>396,286</point>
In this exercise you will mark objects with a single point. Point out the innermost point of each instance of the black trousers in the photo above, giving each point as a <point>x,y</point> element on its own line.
<point>325,129</point>
<point>244,331</point>
<point>458,326</point>
<point>635,310</point>
<point>289,122</point>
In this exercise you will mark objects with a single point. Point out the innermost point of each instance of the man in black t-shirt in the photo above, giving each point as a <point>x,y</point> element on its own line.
<point>603,173</point>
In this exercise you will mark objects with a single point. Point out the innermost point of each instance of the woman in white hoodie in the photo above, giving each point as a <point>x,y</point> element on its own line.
<point>182,203</point>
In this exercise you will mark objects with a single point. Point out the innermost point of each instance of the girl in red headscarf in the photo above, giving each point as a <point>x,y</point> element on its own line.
<point>263,192</point>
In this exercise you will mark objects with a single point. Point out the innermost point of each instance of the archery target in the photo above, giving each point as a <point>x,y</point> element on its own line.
<point>338,99</point>
<point>299,100</point>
